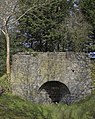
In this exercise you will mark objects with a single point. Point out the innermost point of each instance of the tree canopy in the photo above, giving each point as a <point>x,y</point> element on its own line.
<point>53,25</point>
<point>44,25</point>
<point>87,8</point>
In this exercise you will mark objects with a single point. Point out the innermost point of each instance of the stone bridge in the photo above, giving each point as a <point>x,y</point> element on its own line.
<point>51,76</point>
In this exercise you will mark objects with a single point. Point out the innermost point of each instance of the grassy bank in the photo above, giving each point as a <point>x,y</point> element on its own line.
<point>13,107</point>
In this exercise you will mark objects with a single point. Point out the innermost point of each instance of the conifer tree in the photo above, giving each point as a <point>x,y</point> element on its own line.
<point>43,26</point>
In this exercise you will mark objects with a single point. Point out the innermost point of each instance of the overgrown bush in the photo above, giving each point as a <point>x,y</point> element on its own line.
<point>4,83</point>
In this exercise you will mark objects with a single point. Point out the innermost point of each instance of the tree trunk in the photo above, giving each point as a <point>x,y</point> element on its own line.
<point>8,52</point>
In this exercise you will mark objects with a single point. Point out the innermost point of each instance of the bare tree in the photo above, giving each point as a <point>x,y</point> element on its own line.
<point>7,12</point>
<point>77,31</point>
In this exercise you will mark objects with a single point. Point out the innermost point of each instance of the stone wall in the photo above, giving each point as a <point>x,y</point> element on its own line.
<point>30,71</point>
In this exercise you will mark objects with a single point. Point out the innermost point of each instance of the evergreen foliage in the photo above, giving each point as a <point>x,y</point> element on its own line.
<point>53,26</point>
<point>87,8</point>
<point>43,27</point>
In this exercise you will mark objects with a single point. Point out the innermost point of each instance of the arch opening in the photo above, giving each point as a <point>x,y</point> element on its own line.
<point>55,90</point>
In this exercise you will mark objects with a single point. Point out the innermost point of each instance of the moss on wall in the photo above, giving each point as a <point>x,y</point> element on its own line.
<point>93,74</point>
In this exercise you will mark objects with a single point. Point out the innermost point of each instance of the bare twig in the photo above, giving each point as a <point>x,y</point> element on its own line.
<point>2,31</point>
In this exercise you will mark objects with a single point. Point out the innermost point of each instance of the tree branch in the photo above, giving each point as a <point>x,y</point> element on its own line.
<point>1,18</point>
<point>21,15</point>
<point>26,12</point>
<point>12,12</point>
<point>3,31</point>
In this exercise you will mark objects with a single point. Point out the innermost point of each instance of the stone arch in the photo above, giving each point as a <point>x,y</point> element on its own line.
<point>55,90</point>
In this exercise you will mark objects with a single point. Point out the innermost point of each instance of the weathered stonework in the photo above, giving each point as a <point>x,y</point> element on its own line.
<point>30,71</point>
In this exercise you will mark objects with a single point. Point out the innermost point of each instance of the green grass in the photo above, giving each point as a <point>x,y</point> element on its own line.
<point>13,107</point>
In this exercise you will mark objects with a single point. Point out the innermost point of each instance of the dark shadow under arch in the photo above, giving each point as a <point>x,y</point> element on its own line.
<point>55,89</point>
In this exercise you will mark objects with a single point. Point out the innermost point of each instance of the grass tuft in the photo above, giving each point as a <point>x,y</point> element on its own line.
<point>13,107</point>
